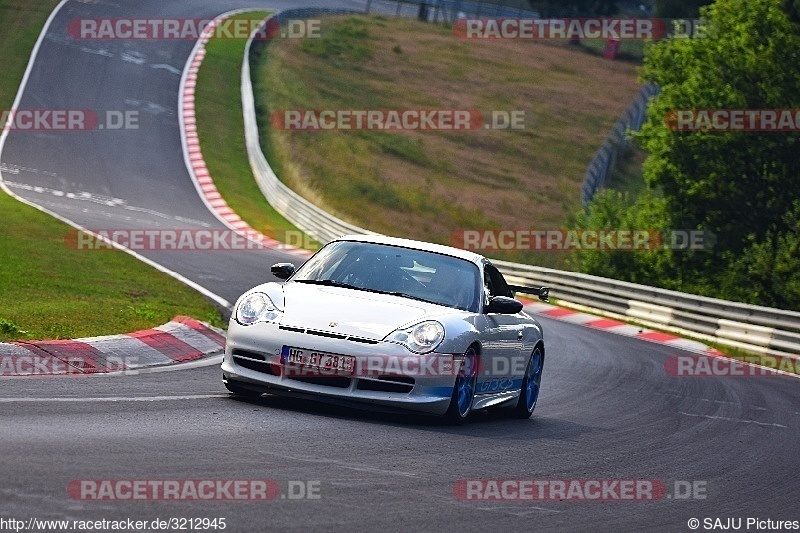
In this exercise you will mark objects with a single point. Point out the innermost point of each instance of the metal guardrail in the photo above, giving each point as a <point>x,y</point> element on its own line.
<point>755,328</point>
<point>448,10</point>
<point>763,330</point>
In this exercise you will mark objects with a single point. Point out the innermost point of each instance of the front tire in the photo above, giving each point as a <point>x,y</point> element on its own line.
<point>531,384</point>
<point>464,389</point>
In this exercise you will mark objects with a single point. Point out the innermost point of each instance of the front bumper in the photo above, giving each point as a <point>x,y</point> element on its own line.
<point>386,374</point>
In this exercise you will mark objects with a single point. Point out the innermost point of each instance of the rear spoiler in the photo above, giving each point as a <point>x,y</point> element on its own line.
<point>542,292</point>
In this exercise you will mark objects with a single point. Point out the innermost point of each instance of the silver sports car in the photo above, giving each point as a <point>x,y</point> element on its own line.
<point>390,322</point>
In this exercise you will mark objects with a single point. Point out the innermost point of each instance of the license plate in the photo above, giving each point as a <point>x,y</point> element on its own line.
<point>328,362</point>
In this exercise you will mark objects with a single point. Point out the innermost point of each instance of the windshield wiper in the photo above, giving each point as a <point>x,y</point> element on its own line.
<point>330,283</point>
<point>405,295</point>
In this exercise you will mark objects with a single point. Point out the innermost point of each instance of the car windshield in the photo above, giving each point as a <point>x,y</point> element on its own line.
<point>417,274</point>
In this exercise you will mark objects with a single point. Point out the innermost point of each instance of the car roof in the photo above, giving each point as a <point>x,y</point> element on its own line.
<point>417,245</point>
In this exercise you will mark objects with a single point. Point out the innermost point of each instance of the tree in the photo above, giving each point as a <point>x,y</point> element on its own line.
<point>792,8</point>
<point>612,210</point>
<point>767,272</point>
<point>737,184</point>
<point>740,185</point>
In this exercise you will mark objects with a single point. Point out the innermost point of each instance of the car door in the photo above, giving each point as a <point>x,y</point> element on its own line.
<point>527,333</point>
<point>501,340</point>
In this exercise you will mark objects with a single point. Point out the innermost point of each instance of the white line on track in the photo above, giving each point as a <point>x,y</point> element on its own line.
<point>115,399</point>
<point>206,361</point>
<point>168,68</point>
<point>515,510</point>
<point>734,420</point>
<point>102,200</point>
<point>349,466</point>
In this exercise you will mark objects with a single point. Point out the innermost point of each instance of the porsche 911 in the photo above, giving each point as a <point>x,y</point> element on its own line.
<point>392,324</point>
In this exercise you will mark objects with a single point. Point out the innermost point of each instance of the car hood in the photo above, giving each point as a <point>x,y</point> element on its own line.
<point>348,311</point>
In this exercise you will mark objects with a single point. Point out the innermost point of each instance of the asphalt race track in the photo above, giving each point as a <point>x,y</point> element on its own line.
<point>608,410</point>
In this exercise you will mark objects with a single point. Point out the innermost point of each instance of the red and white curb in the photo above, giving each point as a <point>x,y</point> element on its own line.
<point>194,156</point>
<point>181,340</point>
<point>620,328</point>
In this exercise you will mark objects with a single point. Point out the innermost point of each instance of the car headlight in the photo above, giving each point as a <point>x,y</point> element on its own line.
<point>256,308</point>
<point>421,338</point>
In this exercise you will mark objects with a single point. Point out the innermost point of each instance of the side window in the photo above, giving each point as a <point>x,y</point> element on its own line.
<point>495,282</point>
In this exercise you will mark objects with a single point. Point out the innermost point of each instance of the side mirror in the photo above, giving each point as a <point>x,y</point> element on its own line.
<point>503,305</point>
<point>283,270</point>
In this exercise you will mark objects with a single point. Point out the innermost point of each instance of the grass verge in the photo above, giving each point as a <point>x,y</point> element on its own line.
<point>218,109</point>
<point>48,291</point>
<point>20,22</point>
